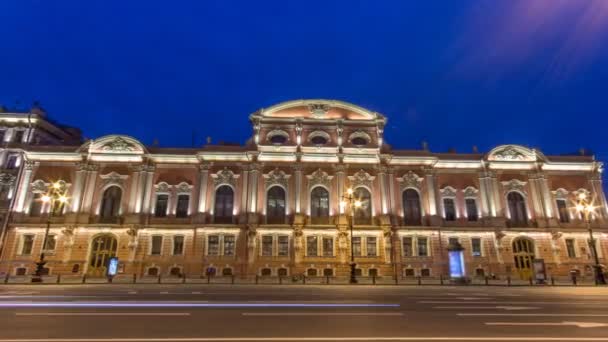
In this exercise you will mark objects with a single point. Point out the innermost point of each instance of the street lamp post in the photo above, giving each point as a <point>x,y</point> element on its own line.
<point>349,199</point>
<point>584,207</point>
<point>55,196</point>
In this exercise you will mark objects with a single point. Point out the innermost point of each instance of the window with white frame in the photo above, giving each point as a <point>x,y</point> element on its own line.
<point>471,207</point>
<point>27,244</point>
<point>415,246</point>
<point>319,246</point>
<point>328,246</point>
<point>275,245</point>
<point>156,247</point>
<point>221,245</point>
<point>365,246</point>
<point>18,135</point>
<point>407,246</point>
<point>283,245</point>
<point>183,203</point>
<point>178,245</point>
<point>50,243</point>
<point>213,245</point>
<point>162,205</point>
<point>449,209</point>
<point>571,248</point>
<point>476,246</point>
<point>423,248</point>
<point>562,209</point>
<point>229,245</point>
<point>371,247</point>
<point>356,245</point>
<point>312,246</point>
<point>267,241</point>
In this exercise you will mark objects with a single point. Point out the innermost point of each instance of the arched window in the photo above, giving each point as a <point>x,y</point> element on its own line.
<point>275,205</point>
<point>411,207</point>
<point>363,214</point>
<point>517,209</point>
<point>110,204</point>
<point>319,205</point>
<point>224,201</point>
<point>36,205</point>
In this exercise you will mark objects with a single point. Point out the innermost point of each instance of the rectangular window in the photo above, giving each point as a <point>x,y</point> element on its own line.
<point>283,248</point>
<point>407,247</point>
<point>371,247</point>
<point>570,247</point>
<point>229,245</point>
<point>453,241</point>
<point>178,245</point>
<point>449,209</point>
<point>183,202</point>
<point>357,246</point>
<point>161,205</point>
<point>157,245</point>
<point>50,243</point>
<point>562,208</point>
<point>311,246</point>
<point>476,246</point>
<point>267,245</point>
<point>28,244</point>
<point>213,245</point>
<point>423,249</point>
<point>472,214</point>
<point>11,161</point>
<point>328,246</point>
<point>19,136</point>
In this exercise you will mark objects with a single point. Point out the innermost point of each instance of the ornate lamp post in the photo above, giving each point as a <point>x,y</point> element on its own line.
<point>348,199</point>
<point>585,208</point>
<point>56,199</point>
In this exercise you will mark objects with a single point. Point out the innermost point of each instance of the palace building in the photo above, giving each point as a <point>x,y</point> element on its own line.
<point>273,206</point>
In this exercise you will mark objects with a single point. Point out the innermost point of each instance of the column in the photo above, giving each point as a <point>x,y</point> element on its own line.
<point>147,193</point>
<point>24,186</point>
<point>89,189</point>
<point>202,187</point>
<point>431,193</point>
<point>298,188</point>
<point>391,192</point>
<point>496,192</point>
<point>76,199</point>
<point>141,184</point>
<point>340,172</point>
<point>535,197</point>
<point>253,181</point>
<point>135,189</point>
<point>600,198</point>
<point>484,196</point>
<point>383,190</point>
<point>547,198</point>
<point>244,190</point>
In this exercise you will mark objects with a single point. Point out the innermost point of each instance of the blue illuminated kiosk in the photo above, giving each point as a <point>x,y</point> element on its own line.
<point>456,259</point>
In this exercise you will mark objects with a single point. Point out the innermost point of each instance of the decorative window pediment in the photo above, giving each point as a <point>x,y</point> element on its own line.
<point>361,178</point>
<point>113,178</point>
<point>319,138</point>
<point>224,176</point>
<point>277,136</point>
<point>470,192</point>
<point>512,153</point>
<point>410,180</point>
<point>359,138</point>
<point>183,188</point>
<point>448,192</point>
<point>560,193</point>
<point>276,176</point>
<point>162,187</point>
<point>581,191</point>
<point>514,185</point>
<point>39,186</point>
<point>319,177</point>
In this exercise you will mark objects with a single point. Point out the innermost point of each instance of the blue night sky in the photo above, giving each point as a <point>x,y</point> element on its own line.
<point>456,73</point>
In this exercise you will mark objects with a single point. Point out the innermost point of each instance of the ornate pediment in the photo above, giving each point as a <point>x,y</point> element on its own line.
<point>113,178</point>
<point>183,188</point>
<point>512,153</point>
<point>318,110</point>
<point>410,180</point>
<point>162,187</point>
<point>514,185</point>
<point>39,186</point>
<point>470,191</point>
<point>319,177</point>
<point>275,177</point>
<point>118,144</point>
<point>361,178</point>
<point>448,191</point>
<point>224,176</point>
<point>7,179</point>
<point>115,144</point>
<point>560,193</point>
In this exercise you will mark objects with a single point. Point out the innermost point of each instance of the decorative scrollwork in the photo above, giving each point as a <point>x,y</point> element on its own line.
<point>515,185</point>
<point>275,177</point>
<point>7,179</point>
<point>224,176</point>
<point>361,178</point>
<point>410,180</point>
<point>118,145</point>
<point>470,191</point>
<point>319,177</point>
<point>448,191</point>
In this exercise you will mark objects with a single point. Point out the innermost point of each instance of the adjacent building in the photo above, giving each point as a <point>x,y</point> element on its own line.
<point>273,205</point>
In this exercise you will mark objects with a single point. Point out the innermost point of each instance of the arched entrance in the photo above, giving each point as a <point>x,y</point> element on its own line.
<point>523,256</point>
<point>103,248</point>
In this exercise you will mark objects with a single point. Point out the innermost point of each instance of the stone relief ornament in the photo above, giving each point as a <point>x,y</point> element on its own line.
<point>29,165</point>
<point>113,178</point>
<point>118,145</point>
<point>448,191</point>
<point>560,193</point>
<point>224,176</point>
<point>276,177</point>
<point>509,153</point>
<point>513,153</point>
<point>410,180</point>
<point>68,234</point>
<point>514,184</point>
<point>7,179</point>
<point>132,232</point>
<point>319,177</point>
<point>470,191</point>
<point>361,178</point>
<point>162,187</point>
<point>183,188</point>
<point>39,186</point>
<point>318,110</point>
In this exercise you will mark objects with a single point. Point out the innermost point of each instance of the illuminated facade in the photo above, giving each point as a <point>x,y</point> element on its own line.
<point>272,206</point>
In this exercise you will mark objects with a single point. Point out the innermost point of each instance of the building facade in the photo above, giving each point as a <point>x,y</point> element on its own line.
<point>273,206</point>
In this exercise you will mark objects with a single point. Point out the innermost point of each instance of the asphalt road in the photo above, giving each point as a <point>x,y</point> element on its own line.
<point>301,313</point>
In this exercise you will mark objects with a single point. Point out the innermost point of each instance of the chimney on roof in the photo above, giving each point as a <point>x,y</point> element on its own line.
<point>475,149</point>
<point>37,109</point>
<point>425,145</point>
<point>581,151</point>
<point>208,140</point>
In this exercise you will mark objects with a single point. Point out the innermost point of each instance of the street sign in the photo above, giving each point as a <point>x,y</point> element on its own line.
<point>112,266</point>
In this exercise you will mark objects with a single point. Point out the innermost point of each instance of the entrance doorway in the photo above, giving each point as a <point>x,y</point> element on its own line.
<point>523,256</point>
<point>103,248</point>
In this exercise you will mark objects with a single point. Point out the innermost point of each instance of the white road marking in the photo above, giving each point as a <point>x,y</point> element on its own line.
<point>488,307</point>
<point>311,339</point>
<point>164,292</point>
<point>576,324</point>
<point>196,292</point>
<point>132,292</point>
<point>533,314</point>
<point>102,314</point>
<point>322,314</point>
